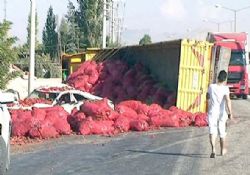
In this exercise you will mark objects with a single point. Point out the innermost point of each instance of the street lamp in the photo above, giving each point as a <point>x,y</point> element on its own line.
<point>32,45</point>
<point>234,11</point>
<point>218,23</point>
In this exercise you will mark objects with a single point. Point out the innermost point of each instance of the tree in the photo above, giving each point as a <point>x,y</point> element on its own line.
<point>69,31</point>
<point>28,31</point>
<point>89,18</point>
<point>44,67</point>
<point>63,34</point>
<point>145,40</point>
<point>50,36</point>
<point>7,53</point>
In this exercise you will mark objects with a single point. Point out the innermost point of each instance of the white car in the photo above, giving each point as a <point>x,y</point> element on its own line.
<point>5,130</point>
<point>70,99</point>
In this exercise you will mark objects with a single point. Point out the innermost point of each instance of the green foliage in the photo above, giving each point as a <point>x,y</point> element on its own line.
<point>89,17</point>
<point>50,36</point>
<point>69,31</point>
<point>13,75</point>
<point>145,40</point>
<point>7,53</point>
<point>44,68</point>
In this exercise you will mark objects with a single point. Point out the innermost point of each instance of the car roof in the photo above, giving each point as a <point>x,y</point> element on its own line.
<point>42,88</point>
<point>85,94</point>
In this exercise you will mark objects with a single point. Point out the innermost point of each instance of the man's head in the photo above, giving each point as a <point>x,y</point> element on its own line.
<point>222,77</point>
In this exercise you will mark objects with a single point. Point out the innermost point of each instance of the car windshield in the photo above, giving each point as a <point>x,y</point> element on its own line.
<point>237,59</point>
<point>36,94</point>
<point>44,95</point>
<point>79,97</point>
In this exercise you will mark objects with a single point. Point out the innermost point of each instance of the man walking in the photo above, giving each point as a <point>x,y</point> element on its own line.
<point>218,100</point>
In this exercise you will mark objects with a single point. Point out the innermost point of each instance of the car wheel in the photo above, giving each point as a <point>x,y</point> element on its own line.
<point>3,156</point>
<point>244,96</point>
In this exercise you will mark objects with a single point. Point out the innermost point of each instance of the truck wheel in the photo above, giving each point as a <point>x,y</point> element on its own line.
<point>244,96</point>
<point>238,96</point>
<point>3,156</point>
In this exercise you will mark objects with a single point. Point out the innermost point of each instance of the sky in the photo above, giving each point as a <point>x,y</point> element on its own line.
<point>161,19</point>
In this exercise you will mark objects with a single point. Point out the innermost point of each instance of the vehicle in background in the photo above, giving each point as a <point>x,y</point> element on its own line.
<point>238,65</point>
<point>5,130</point>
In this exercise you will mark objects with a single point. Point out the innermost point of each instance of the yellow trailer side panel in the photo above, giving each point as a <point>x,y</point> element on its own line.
<point>194,73</point>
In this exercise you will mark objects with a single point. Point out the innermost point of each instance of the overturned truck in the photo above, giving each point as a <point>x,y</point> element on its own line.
<point>181,66</point>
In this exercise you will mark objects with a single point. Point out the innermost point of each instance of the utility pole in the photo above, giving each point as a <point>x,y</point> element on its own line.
<point>104,31</point>
<point>32,45</point>
<point>109,20</point>
<point>122,22</point>
<point>118,30</point>
<point>112,22</point>
<point>235,22</point>
<point>5,10</point>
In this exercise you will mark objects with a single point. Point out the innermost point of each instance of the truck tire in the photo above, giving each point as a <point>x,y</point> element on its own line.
<point>3,156</point>
<point>244,96</point>
<point>238,96</point>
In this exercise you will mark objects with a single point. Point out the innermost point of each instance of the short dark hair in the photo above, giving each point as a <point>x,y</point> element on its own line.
<point>222,76</point>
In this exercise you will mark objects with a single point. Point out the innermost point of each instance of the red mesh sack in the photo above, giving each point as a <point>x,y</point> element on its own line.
<point>104,127</point>
<point>154,110</point>
<point>20,128</point>
<point>139,125</point>
<point>52,116</point>
<point>85,127</point>
<point>122,124</point>
<point>62,127</point>
<point>48,132</point>
<point>38,113</point>
<point>201,119</point>
<point>23,115</point>
<point>126,111</point>
<point>97,109</point>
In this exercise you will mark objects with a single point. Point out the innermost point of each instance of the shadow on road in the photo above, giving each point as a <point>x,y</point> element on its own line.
<point>171,154</point>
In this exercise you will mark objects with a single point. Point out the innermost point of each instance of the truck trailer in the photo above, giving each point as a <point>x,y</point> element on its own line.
<point>183,66</point>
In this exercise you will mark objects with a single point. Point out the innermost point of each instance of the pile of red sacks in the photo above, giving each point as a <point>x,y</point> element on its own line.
<point>117,81</point>
<point>99,118</point>
<point>28,102</point>
<point>31,101</point>
<point>40,123</point>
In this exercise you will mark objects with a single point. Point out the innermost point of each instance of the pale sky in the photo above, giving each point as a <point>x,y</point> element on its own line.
<point>161,19</point>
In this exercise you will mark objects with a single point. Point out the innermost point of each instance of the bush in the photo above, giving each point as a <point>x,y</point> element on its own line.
<point>44,67</point>
<point>7,53</point>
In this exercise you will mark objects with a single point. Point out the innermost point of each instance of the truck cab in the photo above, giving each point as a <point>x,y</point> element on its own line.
<point>238,64</point>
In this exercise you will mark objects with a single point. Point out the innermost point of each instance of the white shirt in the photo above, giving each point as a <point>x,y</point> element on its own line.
<point>217,101</point>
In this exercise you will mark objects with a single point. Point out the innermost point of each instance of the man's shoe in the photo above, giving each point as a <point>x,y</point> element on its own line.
<point>212,155</point>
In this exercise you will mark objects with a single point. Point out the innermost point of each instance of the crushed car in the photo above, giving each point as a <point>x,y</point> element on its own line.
<point>67,97</point>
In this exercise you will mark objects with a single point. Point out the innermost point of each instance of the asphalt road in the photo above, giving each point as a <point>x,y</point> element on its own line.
<point>169,151</point>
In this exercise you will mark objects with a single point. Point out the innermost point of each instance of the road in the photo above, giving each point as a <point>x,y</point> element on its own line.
<point>167,151</point>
